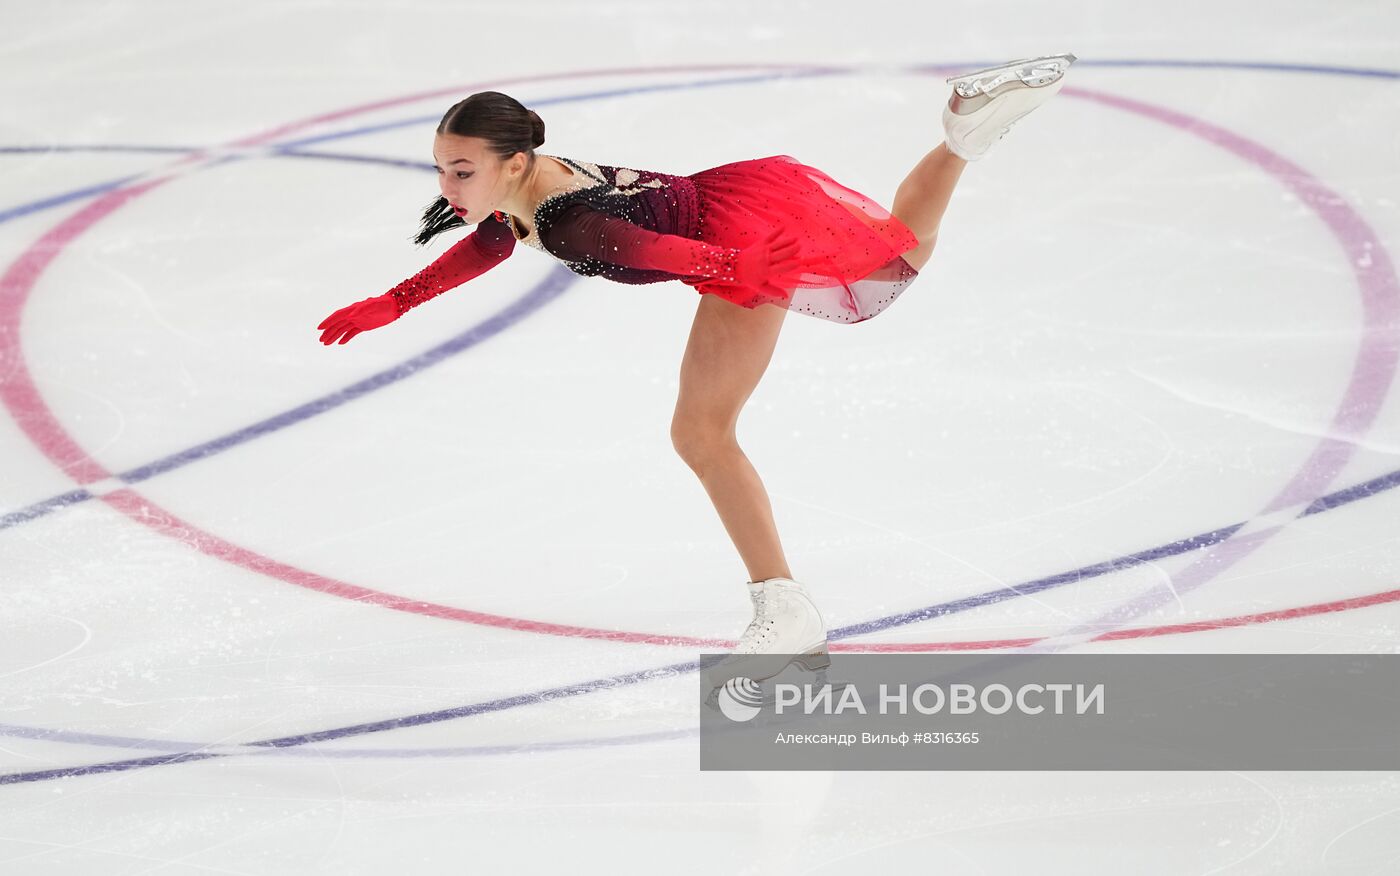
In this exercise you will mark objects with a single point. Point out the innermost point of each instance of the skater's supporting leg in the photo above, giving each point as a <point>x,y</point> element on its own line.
<point>923,197</point>
<point>729,348</point>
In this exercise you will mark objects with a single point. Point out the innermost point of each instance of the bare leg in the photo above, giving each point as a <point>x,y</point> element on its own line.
<point>923,197</point>
<point>729,349</point>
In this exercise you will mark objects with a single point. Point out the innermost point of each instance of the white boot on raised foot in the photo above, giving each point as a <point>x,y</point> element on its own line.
<point>984,104</point>
<point>786,629</point>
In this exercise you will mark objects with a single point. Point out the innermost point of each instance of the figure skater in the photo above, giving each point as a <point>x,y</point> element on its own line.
<point>765,231</point>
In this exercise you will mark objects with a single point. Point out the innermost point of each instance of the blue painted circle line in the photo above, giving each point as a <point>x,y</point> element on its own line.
<point>1333,500</point>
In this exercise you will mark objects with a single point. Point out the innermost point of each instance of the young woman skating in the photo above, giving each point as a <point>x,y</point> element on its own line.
<point>766,231</point>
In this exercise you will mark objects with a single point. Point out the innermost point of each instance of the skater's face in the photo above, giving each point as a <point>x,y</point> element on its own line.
<point>472,179</point>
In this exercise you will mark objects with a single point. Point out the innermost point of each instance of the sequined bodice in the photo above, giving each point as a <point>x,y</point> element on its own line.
<point>586,174</point>
<point>658,202</point>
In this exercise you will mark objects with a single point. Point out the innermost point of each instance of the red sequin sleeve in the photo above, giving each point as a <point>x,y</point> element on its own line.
<point>581,232</point>
<point>487,246</point>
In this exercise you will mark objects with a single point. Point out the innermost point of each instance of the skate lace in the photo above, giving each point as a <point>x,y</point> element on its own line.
<point>758,627</point>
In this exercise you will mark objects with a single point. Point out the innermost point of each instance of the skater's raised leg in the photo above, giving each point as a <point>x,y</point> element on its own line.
<point>922,199</point>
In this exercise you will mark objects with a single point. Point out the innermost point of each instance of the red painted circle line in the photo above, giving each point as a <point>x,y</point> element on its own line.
<point>21,396</point>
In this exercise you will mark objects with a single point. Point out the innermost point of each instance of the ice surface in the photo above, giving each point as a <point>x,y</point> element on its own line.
<point>1164,304</point>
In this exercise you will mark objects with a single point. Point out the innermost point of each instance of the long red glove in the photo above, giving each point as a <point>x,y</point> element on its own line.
<point>487,246</point>
<point>582,232</point>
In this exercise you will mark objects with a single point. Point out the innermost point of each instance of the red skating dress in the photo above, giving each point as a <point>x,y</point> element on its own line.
<point>638,226</point>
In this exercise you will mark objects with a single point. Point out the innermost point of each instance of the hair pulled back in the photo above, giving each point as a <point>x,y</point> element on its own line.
<point>506,126</point>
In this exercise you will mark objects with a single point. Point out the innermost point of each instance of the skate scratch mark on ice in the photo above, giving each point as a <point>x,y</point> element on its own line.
<point>87,637</point>
<point>1169,451</point>
<point>1371,444</point>
<point>1322,859</point>
<point>987,573</point>
<point>1279,818</point>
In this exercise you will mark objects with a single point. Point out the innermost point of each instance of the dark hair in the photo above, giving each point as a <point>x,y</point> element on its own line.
<point>506,126</point>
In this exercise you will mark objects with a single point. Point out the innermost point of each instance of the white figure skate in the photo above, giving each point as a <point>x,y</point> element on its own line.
<point>786,629</point>
<point>985,104</point>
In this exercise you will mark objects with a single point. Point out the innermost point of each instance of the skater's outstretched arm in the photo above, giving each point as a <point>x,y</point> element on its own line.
<point>582,232</point>
<point>487,246</point>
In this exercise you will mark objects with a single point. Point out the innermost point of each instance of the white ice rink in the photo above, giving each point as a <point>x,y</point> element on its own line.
<point>272,607</point>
